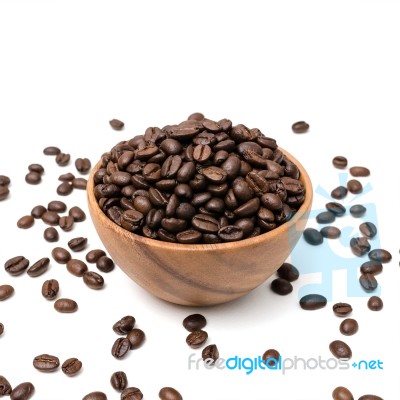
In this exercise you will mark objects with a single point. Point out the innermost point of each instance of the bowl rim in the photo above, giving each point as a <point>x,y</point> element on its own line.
<point>248,242</point>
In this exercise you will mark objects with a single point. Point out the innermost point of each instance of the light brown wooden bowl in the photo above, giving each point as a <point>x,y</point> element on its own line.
<point>200,274</point>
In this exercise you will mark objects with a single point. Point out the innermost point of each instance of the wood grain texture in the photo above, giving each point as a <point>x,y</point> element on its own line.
<point>201,274</point>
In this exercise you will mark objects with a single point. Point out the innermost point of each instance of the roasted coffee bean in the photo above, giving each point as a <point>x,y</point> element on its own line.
<point>371,267</point>
<point>185,211</point>
<point>95,395</point>
<point>312,302</point>
<point>119,381</point>
<point>124,325</point>
<point>342,309</point>
<point>340,350</point>
<point>348,327</point>
<point>38,211</point>
<point>77,244</point>
<point>248,209</point>
<point>131,393</point>
<point>190,236</point>
<point>330,232</point>
<point>210,354</point>
<point>281,286</point>
<point>83,165</point>
<point>6,291</point>
<point>360,246</point>
<point>196,339</point>
<point>271,357</point>
<point>136,338</point>
<point>68,177</point>
<point>312,236</point>
<point>368,282</point>
<point>50,289</point>
<point>339,162</point>
<point>5,387</point>
<point>183,190</point>
<point>25,222</point>
<point>93,280</point>
<point>105,264</point>
<point>370,397</point>
<point>169,393</point>
<point>116,124</point>
<point>120,348</point>
<point>23,391</point>
<point>39,267</point>
<point>16,265</point>
<point>339,193</point>
<point>1,332</point>
<point>271,201</point>
<point>57,206</point>
<point>93,255</point>
<point>33,178</point>
<point>214,174</point>
<point>196,116</point>
<point>288,271</point>
<point>4,180</point>
<point>354,186</point>
<point>36,168</point>
<point>205,223</point>
<point>325,217</point>
<point>61,255</point>
<point>76,267</point>
<point>62,159</point>
<point>51,234</point>
<point>245,224</point>
<point>66,223</point>
<point>342,393</point>
<point>71,366</point>
<point>368,229</point>
<point>357,210</point>
<point>194,322</point>
<point>51,151</point>
<point>65,305</point>
<point>79,183</point>
<point>64,189</point>
<point>4,192</point>
<point>46,363</point>
<point>77,214</point>
<point>359,171</point>
<point>50,218</point>
<point>375,303</point>
<point>380,255</point>
<point>230,233</point>
<point>300,127</point>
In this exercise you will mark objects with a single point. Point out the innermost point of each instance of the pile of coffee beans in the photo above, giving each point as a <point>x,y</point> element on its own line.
<point>200,181</point>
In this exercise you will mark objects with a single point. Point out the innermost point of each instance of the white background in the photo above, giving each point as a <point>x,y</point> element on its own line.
<point>67,68</point>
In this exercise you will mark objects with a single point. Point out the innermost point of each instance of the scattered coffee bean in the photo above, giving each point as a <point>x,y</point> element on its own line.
<point>77,214</point>
<point>354,186</point>
<point>371,267</point>
<point>71,366</point>
<point>368,229</point>
<point>340,350</point>
<point>357,210</point>
<point>66,223</point>
<point>339,193</point>
<point>33,178</point>
<point>196,116</point>
<point>312,236</point>
<point>64,188</point>
<point>23,391</point>
<point>288,271</point>
<point>116,124</point>
<point>51,234</point>
<point>336,208</point>
<point>68,177</point>
<point>380,255</point>
<point>61,255</point>
<point>375,303</point>
<point>342,393</point>
<point>38,211</point>
<point>136,338</point>
<point>4,192</point>
<point>65,305</point>
<point>62,159</point>
<point>25,222</point>
<point>51,151</point>
<point>120,348</point>
<point>360,246</point>
<point>359,171</point>
<point>370,397</point>
<point>368,282</point>
<point>6,291</point>
<point>79,183</point>
<point>50,218</point>
<point>210,354</point>
<point>281,286</point>
<point>50,289</point>
<point>169,393</point>
<point>95,396</point>
<point>271,357</point>
<point>16,265</point>
<point>339,162</point>
<point>325,217</point>
<point>119,381</point>
<point>57,206</point>
<point>39,267</point>
<point>342,309</point>
<point>124,325</point>
<point>46,363</point>
<point>300,127</point>
<point>194,322</point>
<point>131,393</point>
<point>78,243</point>
<point>330,232</point>
<point>196,339</point>
<point>105,264</point>
<point>93,255</point>
<point>5,387</point>
<point>348,327</point>
<point>312,302</point>
<point>38,168</point>
<point>83,165</point>
<point>76,267</point>
<point>4,180</point>
<point>93,280</point>
<point>1,332</point>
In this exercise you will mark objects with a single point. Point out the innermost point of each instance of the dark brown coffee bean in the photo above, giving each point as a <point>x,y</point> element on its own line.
<point>33,178</point>
<point>46,363</point>
<point>183,191</point>
<point>50,218</point>
<point>4,180</point>
<point>312,236</point>
<point>93,255</point>
<point>95,395</point>
<point>368,282</point>
<point>23,391</point>
<point>380,255</point>
<point>16,265</point>
<point>248,209</point>
<point>1,332</point>
<point>360,246</point>
<point>38,211</point>
<point>50,289</point>
<point>131,393</point>
<point>57,206</point>
<point>354,186</point>
<point>5,387</point>
<point>288,271</point>
<point>359,171</point>
<point>370,397</point>
<point>65,305</point>
<point>230,233</point>
<point>105,264</point>
<point>136,338</point>
<point>116,124</point>
<point>342,393</point>
<point>210,354</point>
<point>71,366</point>
<point>300,127</point>
<point>342,309</point>
<point>83,165</point>
<point>51,234</point>
<point>339,193</point>
<point>64,189</point>
<point>325,217</point>
<point>189,236</point>
<point>281,286</point>
<point>340,349</point>
<point>61,255</point>
<point>36,168</point>
<point>194,322</point>
<point>375,303</point>
<point>368,229</point>
<point>120,348</point>
<point>124,325</point>
<point>271,201</point>
<point>77,214</point>
<point>76,267</point>
<point>119,381</point>
<point>271,357</point>
<point>62,159</point>
<point>25,222</point>
<point>312,302</point>
<point>371,267</point>
<point>196,339</point>
<point>214,174</point>
<point>79,183</point>
<point>336,208</point>
<point>6,291</point>
<point>339,162</point>
<point>169,393</point>
<point>93,280</point>
<point>205,223</point>
<point>78,243</point>
<point>348,327</point>
<point>357,210</point>
<point>196,116</point>
<point>39,267</point>
<point>51,151</point>
<point>66,223</point>
<point>330,232</point>
<point>4,192</point>
<point>68,177</point>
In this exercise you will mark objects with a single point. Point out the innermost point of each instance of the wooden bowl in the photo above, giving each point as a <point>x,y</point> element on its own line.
<point>200,274</point>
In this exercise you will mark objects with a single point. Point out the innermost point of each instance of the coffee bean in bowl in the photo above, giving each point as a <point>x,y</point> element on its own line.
<point>194,228</point>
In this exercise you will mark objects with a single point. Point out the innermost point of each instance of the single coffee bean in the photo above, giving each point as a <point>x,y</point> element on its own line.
<point>359,171</point>
<point>61,255</point>
<point>57,206</point>
<point>339,162</point>
<point>33,178</point>
<point>336,208</point>
<point>39,267</point>
<point>300,127</point>
<point>205,223</point>
<point>325,217</point>
<point>194,322</point>
<point>6,291</point>
<point>169,393</point>
<point>312,236</point>
<point>339,193</point>
<point>93,255</point>
<point>50,289</point>
<point>4,180</point>
<point>5,387</point>
<point>196,116</point>
<point>23,391</point>
<point>71,366</point>
<point>124,325</point>
<point>62,159</point>
<point>38,211</point>
<point>342,309</point>
<point>230,233</point>
<point>1,332</point>
<point>79,183</point>
<point>51,151</point>
<point>36,168</point>
<point>65,305</point>
<point>360,246</point>
<point>368,282</point>
<point>16,265</point>
<point>348,327</point>
<point>210,354</point>
<point>330,232</point>
<point>95,396</point>
<point>116,124</point>
<point>105,264</point>
<point>77,214</point>
<point>119,381</point>
<point>375,303</point>
<point>68,177</point>
<point>368,229</point>
<point>281,286</point>
<point>77,244</point>
<point>136,338</point>
<point>340,349</point>
<point>357,210</point>
<point>93,280</point>
<point>76,267</point>
<point>120,348</point>
<point>371,267</point>
<point>4,192</point>
<point>289,272</point>
<point>83,165</point>
<point>66,223</point>
<point>342,393</point>
<point>196,339</point>
<point>51,234</point>
<point>312,302</point>
<point>25,222</point>
<point>354,186</point>
<point>370,397</point>
<point>50,218</point>
<point>380,255</point>
<point>64,189</point>
<point>46,363</point>
<point>131,393</point>
<point>271,357</point>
